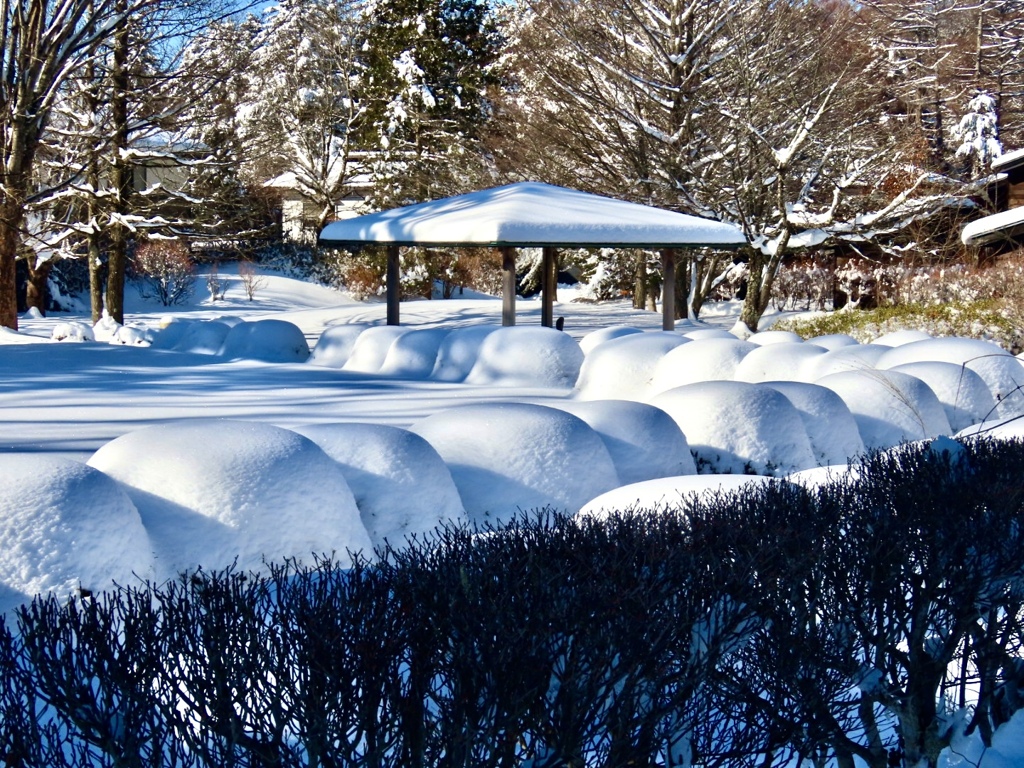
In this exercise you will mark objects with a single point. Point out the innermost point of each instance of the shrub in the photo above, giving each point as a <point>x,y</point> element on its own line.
<point>164,270</point>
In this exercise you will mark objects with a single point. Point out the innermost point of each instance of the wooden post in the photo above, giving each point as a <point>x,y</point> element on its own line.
<point>508,289</point>
<point>548,286</point>
<point>668,289</point>
<point>394,287</point>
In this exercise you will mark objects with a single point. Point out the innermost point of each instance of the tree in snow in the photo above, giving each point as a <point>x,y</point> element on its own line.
<point>978,134</point>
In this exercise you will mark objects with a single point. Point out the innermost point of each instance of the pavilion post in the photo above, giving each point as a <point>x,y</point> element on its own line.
<point>394,288</point>
<point>508,289</point>
<point>548,286</point>
<point>668,289</point>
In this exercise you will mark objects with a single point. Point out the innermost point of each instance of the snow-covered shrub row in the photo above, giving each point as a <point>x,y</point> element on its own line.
<point>718,621</point>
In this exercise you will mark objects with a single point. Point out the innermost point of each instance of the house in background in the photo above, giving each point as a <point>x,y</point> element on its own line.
<point>1005,227</point>
<point>300,215</point>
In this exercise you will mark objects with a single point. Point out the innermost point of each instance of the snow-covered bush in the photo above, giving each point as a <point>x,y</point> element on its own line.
<point>164,271</point>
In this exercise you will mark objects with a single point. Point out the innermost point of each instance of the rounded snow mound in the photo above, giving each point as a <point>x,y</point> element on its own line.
<point>401,485</point>
<point>833,341</point>
<point>601,335</point>
<point>212,491</point>
<point>698,334</point>
<point>414,354</point>
<point>831,428</point>
<point>72,331</point>
<point>371,348</point>
<point>171,332</point>
<point>962,392</point>
<point>527,357</point>
<point>784,360</point>
<point>458,352</point>
<point>889,407</point>
<point>667,493</point>
<point>622,368</point>
<point>706,359</point>
<point>202,338</point>
<point>335,344</point>
<point>899,338</point>
<point>853,357</point>
<point>1001,371</point>
<point>65,526</point>
<point>644,442</point>
<point>270,341</point>
<point>775,337</point>
<point>515,457</point>
<point>735,427</point>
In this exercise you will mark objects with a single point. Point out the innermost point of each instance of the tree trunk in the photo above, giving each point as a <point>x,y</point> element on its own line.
<point>640,282</point>
<point>11,216</point>
<point>35,291</point>
<point>121,172</point>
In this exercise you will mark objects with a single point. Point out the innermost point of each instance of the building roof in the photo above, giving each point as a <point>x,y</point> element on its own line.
<point>1004,225</point>
<point>531,214</point>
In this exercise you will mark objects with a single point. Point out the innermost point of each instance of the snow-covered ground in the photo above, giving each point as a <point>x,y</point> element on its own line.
<point>299,423</point>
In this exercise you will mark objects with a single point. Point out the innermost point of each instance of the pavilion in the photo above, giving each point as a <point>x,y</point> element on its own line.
<point>532,215</point>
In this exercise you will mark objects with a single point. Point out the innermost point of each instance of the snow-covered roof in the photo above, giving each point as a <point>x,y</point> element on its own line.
<point>998,226</point>
<point>531,214</point>
<point>1008,160</point>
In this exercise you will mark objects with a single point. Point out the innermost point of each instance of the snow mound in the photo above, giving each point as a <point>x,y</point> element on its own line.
<point>775,337</point>
<point>202,338</point>
<point>170,333</point>
<point>371,348</point>
<point>833,341</point>
<point>1001,371</point>
<point>899,338</point>
<point>601,335</point>
<point>508,458</point>
<point>644,442</point>
<point>211,491</point>
<point>889,407</point>
<point>707,359</point>
<point>854,357</point>
<point>72,331</point>
<point>667,492</point>
<point>779,361</point>
<point>997,429</point>
<point>698,334</point>
<point>962,392</point>
<point>622,368</point>
<point>738,428</point>
<point>270,341</point>
<point>335,344</point>
<point>527,357</point>
<point>413,355</point>
<point>816,477</point>
<point>458,352</point>
<point>400,483</point>
<point>830,426</point>
<point>65,525</point>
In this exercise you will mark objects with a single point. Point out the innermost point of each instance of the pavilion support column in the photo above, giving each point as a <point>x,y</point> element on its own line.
<point>668,289</point>
<point>508,286</point>
<point>394,287</point>
<point>548,286</point>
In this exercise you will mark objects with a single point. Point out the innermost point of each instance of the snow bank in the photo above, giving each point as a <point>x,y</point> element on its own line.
<point>335,344</point>
<point>400,483</point>
<point>962,392</point>
<point>270,341</point>
<point>514,457</point>
<point>1001,371</point>
<point>644,442</point>
<point>602,335</point>
<point>65,525</point>
<point>668,492</point>
<point>622,368</point>
<point>458,352</point>
<point>706,359</point>
<point>853,357</point>
<point>735,428</point>
<point>775,337</point>
<point>833,341</point>
<point>210,491</point>
<point>889,407</point>
<point>782,360</point>
<point>203,338</point>
<point>371,348</point>
<point>899,338</point>
<point>527,357</point>
<point>830,426</point>
<point>72,331</point>
<point>414,354</point>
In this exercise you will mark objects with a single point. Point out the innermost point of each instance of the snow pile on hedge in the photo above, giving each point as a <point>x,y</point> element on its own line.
<point>65,527</point>
<point>211,492</point>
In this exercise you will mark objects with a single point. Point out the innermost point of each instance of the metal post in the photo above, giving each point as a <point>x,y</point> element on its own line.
<point>508,289</point>
<point>548,286</point>
<point>394,287</point>
<point>668,289</point>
